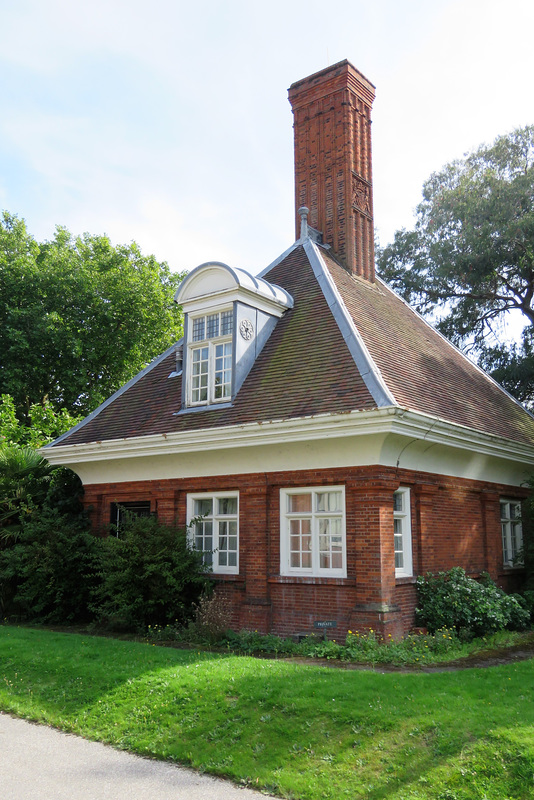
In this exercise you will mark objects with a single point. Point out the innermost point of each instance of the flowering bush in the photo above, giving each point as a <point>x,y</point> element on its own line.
<point>472,608</point>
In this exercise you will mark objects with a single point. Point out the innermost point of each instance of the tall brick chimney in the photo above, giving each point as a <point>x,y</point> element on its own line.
<point>333,172</point>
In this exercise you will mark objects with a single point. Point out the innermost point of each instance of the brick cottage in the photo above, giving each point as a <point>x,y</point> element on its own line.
<point>333,443</point>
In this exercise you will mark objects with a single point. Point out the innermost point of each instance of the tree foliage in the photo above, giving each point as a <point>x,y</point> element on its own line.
<point>44,424</point>
<point>149,575</point>
<point>25,478</point>
<point>45,542</point>
<point>470,259</point>
<point>48,573</point>
<point>78,317</point>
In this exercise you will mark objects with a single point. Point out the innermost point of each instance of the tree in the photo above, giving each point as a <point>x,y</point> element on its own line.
<point>46,545</point>
<point>44,424</point>
<point>25,478</point>
<point>469,262</point>
<point>78,317</point>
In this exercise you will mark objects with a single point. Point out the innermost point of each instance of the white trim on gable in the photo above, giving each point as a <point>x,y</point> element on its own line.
<point>368,369</point>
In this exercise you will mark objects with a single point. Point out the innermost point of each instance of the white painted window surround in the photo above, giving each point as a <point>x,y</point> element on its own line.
<point>210,358</point>
<point>215,529</point>
<point>512,532</point>
<point>402,533</point>
<point>313,532</point>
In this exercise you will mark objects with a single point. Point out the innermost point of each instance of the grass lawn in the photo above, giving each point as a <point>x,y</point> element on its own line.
<point>295,730</point>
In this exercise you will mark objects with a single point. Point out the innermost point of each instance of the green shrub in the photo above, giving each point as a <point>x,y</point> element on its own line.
<point>149,575</point>
<point>473,608</point>
<point>48,571</point>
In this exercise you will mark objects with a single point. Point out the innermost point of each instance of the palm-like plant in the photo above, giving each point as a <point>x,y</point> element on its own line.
<point>24,481</point>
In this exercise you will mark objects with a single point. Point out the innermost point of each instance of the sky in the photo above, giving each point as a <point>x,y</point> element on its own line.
<point>168,123</point>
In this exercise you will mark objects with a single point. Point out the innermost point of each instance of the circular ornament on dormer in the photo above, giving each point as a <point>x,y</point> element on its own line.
<point>246,329</point>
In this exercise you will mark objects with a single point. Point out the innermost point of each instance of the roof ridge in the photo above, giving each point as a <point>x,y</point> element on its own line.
<point>365,363</point>
<point>149,367</point>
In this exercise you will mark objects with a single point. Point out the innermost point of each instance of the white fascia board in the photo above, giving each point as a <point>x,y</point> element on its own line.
<point>106,403</point>
<point>393,419</point>
<point>368,369</point>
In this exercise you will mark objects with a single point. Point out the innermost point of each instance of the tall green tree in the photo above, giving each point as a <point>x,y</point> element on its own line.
<point>78,316</point>
<point>469,261</point>
<point>43,423</point>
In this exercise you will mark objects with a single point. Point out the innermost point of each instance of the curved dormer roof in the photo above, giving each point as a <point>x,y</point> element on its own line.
<point>216,280</point>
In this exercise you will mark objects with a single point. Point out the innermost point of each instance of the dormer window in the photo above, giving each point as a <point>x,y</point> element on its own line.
<point>229,315</point>
<point>211,357</point>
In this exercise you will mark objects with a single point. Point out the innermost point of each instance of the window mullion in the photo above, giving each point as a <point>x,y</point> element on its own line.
<point>211,372</point>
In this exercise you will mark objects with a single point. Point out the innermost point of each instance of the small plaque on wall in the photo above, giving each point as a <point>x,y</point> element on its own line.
<point>325,623</point>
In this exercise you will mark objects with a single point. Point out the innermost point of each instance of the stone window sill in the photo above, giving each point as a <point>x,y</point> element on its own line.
<point>409,579</point>
<point>311,580</point>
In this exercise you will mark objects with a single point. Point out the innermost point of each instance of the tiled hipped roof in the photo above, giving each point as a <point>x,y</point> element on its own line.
<point>423,371</point>
<point>306,368</point>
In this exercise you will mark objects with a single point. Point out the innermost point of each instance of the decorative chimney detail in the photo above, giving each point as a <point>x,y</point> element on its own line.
<point>333,170</point>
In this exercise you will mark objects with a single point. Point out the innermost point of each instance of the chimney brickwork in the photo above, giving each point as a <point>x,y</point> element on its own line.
<point>333,169</point>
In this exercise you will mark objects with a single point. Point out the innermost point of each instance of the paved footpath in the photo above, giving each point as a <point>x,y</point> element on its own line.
<point>40,763</point>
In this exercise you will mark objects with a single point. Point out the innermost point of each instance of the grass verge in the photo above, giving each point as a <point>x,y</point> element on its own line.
<point>296,730</point>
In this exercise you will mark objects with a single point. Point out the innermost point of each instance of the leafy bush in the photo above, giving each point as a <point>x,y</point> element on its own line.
<point>149,575</point>
<point>47,572</point>
<point>453,600</point>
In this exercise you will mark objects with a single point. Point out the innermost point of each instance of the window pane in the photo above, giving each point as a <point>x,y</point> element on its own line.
<point>203,506</point>
<point>398,501</point>
<point>198,329</point>
<point>227,323</point>
<point>227,505</point>
<point>329,501</point>
<point>324,560</point>
<point>300,543</point>
<point>212,326</point>
<point>337,560</point>
<point>223,370</point>
<point>299,503</point>
<point>199,374</point>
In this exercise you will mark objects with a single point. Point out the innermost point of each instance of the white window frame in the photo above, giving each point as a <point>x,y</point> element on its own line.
<point>314,516</point>
<point>216,519</point>
<point>402,533</point>
<point>210,344</point>
<point>512,531</point>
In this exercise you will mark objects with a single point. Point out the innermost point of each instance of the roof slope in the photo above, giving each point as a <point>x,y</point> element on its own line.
<point>424,371</point>
<point>332,352</point>
<point>305,368</point>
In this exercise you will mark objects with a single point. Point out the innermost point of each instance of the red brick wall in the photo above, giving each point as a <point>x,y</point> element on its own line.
<point>333,170</point>
<point>455,522</point>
